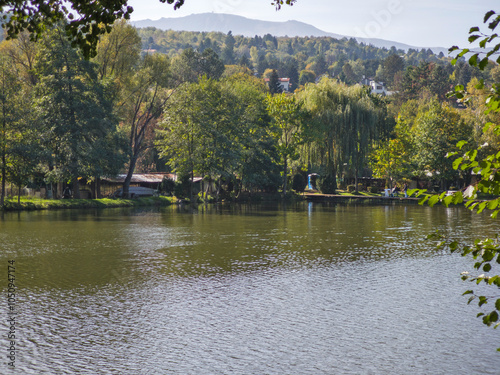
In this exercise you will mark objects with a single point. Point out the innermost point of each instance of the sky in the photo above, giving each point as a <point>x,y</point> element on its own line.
<point>423,23</point>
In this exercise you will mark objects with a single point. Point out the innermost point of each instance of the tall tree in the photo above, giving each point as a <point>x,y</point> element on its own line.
<point>345,122</point>
<point>74,110</point>
<point>286,116</point>
<point>144,100</point>
<point>10,112</point>
<point>191,65</point>
<point>274,83</point>
<point>118,52</point>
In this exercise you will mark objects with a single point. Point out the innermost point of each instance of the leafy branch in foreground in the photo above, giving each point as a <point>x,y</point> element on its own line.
<point>485,251</point>
<point>486,167</point>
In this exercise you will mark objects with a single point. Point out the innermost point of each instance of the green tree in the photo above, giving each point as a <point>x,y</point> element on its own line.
<point>436,132</point>
<point>387,161</point>
<point>73,108</point>
<point>306,76</point>
<point>144,100</point>
<point>10,112</point>
<point>345,122</point>
<point>286,116</point>
<point>191,65</point>
<point>391,65</point>
<point>118,52</point>
<point>228,50</point>
<point>274,83</point>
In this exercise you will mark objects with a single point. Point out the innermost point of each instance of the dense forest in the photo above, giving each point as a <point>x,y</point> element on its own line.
<point>197,104</point>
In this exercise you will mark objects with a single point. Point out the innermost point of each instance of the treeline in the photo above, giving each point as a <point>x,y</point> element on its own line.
<point>304,59</point>
<point>64,118</point>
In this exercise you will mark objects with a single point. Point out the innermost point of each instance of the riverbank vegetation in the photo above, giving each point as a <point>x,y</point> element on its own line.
<point>31,203</point>
<point>203,110</point>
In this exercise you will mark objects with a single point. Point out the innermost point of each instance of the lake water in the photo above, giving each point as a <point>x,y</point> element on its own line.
<point>306,289</point>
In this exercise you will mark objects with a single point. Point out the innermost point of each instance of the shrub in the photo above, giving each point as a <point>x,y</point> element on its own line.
<point>298,182</point>
<point>167,186</point>
<point>182,186</point>
<point>373,189</point>
<point>351,188</point>
<point>326,184</point>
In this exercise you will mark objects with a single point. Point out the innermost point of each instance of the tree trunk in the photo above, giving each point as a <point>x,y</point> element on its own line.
<point>76,188</point>
<point>126,183</point>
<point>285,175</point>
<point>191,187</point>
<point>2,197</point>
<point>98,188</point>
<point>18,194</point>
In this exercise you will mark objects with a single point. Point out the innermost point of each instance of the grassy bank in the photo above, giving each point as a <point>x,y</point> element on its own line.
<point>30,203</point>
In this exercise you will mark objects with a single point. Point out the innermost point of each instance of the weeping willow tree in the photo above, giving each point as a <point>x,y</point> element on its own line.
<point>345,122</point>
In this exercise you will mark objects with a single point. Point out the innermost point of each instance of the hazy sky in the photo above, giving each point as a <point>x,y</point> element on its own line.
<point>423,23</point>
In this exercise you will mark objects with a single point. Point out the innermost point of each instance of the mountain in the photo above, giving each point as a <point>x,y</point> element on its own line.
<point>239,25</point>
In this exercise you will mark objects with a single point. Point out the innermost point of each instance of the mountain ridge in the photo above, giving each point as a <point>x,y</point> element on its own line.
<point>239,25</point>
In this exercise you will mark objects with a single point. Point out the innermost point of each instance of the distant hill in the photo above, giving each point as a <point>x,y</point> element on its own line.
<point>239,25</point>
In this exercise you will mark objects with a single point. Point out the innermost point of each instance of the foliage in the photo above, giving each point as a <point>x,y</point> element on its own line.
<point>388,160</point>
<point>345,123</point>
<point>327,184</point>
<point>167,186</point>
<point>74,111</point>
<point>486,251</point>
<point>145,97</point>
<point>274,83</point>
<point>299,182</point>
<point>287,118</point>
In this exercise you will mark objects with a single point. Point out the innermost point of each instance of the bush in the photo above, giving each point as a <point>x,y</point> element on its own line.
<point>298,182</point>
<point>167,186</point>
<point>373,189</point>
<point>182,186</point>
<point>351,188</point>
<point>327,184</point>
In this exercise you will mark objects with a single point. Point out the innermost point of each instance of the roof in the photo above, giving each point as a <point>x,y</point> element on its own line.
<point>150,178</point>
<point>281,79</point>
<point>141,177</point>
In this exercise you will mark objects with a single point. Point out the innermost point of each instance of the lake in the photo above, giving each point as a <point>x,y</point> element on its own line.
<point>243,289</point>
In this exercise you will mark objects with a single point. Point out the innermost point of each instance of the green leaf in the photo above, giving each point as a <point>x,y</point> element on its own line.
<point>461,144</point>
<point>447,200</point>
<point>488,15</point>
<point>493,204</point>
<point>423,200</point>
<point>433,200</point>
<point>483,63</point>
<point>474,29</point>
<point>481,207</point>
<point>473,60</point>
<point>457,162</point>
<point>497,304</point>
<point>482,300</point>
<point>487,267</point>
<point>493,316</point>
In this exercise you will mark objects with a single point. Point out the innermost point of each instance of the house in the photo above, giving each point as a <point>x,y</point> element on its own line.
<point>376,87</point>
<point>285,83</point>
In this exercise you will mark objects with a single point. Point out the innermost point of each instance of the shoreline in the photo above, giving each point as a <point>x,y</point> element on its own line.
<point>57,204</point>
